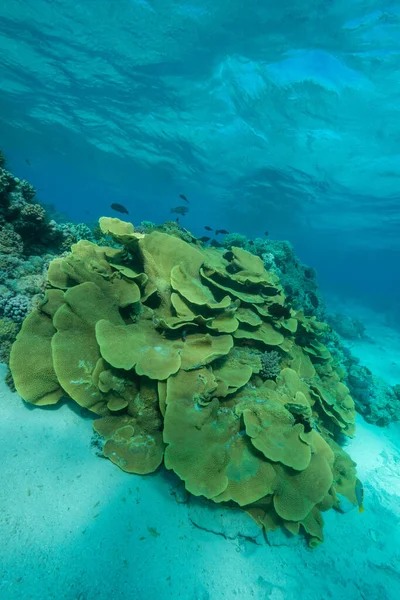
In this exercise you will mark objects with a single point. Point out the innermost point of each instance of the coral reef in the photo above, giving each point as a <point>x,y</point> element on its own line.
<point>27,229</point>
<point>28,241</point>
<point>270,364</point>
<point>298,280</point>
<point>378,402</point>
<point>147,227</point>
<point>15,307</point>
<point>164,340</point>
<point>8,333</point>
<point>73,232</point>
<point>21,284</point>
<point>10,241</point>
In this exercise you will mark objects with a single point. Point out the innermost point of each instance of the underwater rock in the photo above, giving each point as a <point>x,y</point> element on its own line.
<point>346,326</point>
<point>377,401</point>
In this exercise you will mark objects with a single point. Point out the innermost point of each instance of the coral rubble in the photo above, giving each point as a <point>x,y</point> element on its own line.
<point>165,341</point>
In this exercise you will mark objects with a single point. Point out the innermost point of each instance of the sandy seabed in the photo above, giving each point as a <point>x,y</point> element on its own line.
<point>75,527</point>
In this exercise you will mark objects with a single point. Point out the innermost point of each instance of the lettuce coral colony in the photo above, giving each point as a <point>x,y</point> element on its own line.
<point>165,340</point>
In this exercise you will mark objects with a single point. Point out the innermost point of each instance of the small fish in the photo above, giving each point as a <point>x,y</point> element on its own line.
<point>184,335</point>
<point>251,242</point>
<point>183,197</point>
<point>177,219</point>
<point>208,228</point>
<point>181,210</point>
<point>153,531</point>
<point>266,233</point>
<point>28,161</point>
<point>119,208</point>
<point>223,231</point>
<point>216,244</point>
<point>204,239</point>
<point>360,495</point>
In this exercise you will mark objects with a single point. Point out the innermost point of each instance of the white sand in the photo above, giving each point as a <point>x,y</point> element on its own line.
<point>73,526</point>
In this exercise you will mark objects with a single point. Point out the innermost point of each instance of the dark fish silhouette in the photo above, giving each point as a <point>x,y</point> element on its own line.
<point>266,233</point>
<point>208,228</point>
<point>216,244</point>
<point>251,242</point>
<point>223,231</point>
<point>177,219</point>
<point>204,239</point>
<point>27,161</point>
<point>183,197</point>
<point>181,210</point>
<point>119,208</point>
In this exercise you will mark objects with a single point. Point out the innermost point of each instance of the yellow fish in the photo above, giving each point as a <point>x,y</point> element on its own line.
<point>360,495</point>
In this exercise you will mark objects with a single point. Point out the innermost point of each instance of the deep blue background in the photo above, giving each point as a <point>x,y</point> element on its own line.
<point>280,118</point>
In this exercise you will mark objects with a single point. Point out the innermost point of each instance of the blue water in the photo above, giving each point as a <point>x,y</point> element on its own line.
<point>267,116</point>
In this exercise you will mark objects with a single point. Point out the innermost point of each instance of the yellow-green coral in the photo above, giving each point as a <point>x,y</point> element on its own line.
<point>31,361</point>
<point>164,341</point>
